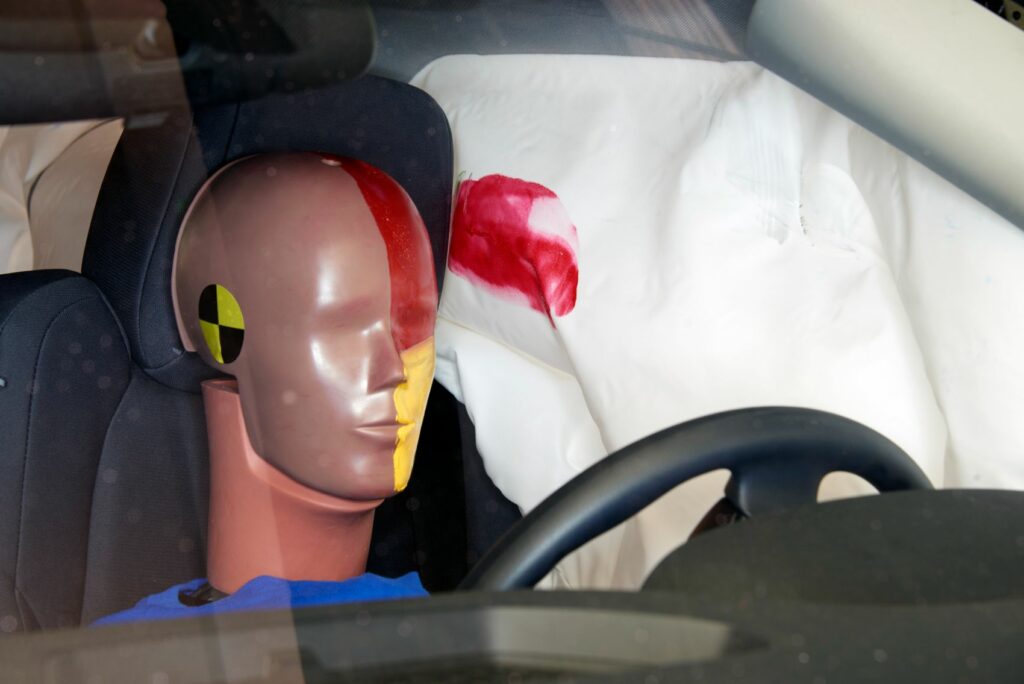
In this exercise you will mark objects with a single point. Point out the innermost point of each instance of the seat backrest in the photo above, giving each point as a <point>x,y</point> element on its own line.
<point>102,433</point>
<point>64,367</point>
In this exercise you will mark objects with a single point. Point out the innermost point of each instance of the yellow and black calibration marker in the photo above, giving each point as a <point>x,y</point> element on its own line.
<point>220,317</point>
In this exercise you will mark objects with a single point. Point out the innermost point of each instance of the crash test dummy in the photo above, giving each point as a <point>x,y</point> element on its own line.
<point>308,281</point>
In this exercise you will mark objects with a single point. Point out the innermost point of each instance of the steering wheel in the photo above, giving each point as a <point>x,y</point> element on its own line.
<point>777,457</point>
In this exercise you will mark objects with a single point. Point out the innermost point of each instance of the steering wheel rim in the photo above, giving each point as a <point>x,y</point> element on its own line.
<point>777,457</point>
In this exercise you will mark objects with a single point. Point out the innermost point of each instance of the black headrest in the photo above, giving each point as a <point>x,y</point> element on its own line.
<point>157,169</point>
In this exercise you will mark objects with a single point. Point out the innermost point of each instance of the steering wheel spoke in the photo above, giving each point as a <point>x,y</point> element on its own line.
<point>762,487</point>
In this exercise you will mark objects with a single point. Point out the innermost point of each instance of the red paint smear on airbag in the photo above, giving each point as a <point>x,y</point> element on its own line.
<point>494,246</point>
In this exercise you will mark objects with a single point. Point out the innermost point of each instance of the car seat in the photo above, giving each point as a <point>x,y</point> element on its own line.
<point>102,434</point>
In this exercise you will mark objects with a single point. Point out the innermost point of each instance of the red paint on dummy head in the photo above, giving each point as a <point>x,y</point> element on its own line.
<point>413,287</point>
<point>515,238</point>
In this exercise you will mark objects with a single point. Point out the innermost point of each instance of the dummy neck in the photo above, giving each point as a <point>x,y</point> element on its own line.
<point>262,522</point>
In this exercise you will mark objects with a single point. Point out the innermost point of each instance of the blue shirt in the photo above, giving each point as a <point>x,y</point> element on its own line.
<point>269,593</point>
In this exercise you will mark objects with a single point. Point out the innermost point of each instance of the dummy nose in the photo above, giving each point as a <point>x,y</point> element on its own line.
<point>386,369</point>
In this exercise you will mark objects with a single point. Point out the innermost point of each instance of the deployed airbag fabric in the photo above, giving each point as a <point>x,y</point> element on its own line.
<point>739,244</point>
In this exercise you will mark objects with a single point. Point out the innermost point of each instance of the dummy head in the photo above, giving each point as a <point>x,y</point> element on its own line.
<point>309,278</point>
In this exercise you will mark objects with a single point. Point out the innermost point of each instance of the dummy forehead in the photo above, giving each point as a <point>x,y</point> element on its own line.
<point>410,260</point>
<point>329,230</point>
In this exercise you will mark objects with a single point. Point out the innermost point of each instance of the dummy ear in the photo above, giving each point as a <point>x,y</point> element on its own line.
<point>191,338</point>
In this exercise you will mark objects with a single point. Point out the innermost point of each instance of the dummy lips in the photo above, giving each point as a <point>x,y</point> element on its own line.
<point>515,239</point>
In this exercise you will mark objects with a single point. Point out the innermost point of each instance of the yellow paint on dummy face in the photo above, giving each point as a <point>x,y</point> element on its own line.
<point>411,403</point>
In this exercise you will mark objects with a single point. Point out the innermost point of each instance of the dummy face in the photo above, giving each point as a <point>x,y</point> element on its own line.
<point>310,279</point>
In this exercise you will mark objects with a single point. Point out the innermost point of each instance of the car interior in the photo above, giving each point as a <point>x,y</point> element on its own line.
<point>103,440</point>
